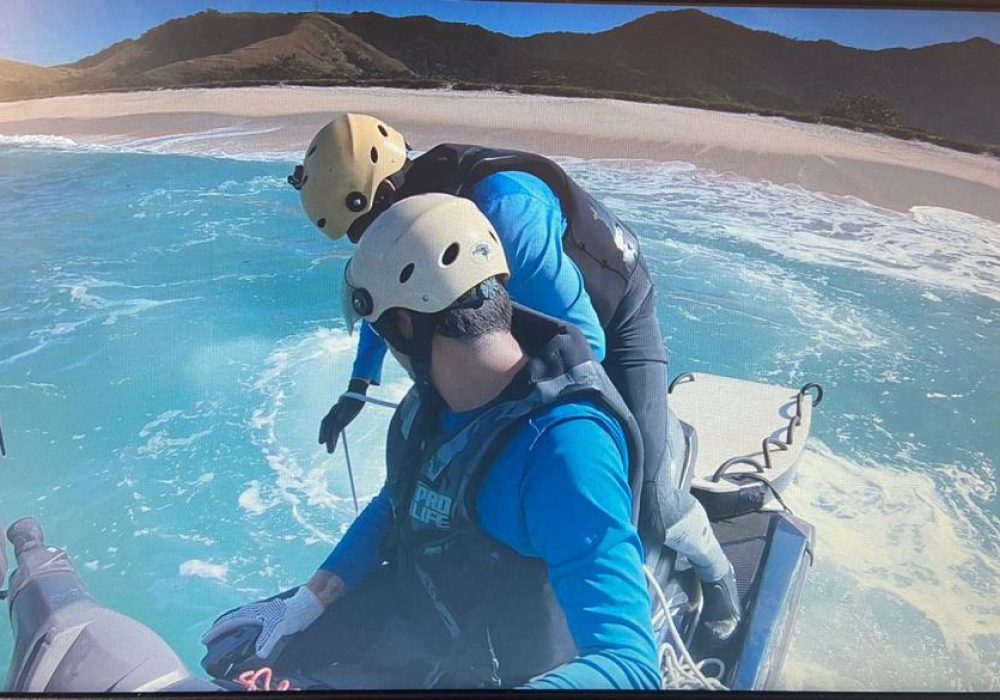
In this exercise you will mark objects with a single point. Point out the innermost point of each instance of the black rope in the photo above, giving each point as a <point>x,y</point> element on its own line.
<point>3,447</point>
<point>769,485</point>
<point>819,392</point>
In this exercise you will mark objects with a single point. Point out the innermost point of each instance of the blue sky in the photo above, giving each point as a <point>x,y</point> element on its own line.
<point>49,32</point>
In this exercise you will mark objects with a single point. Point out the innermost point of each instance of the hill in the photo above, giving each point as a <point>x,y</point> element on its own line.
<point>25,80</point>
<point>947,89</point>
<point>685,56</point>
<point>211,47</point>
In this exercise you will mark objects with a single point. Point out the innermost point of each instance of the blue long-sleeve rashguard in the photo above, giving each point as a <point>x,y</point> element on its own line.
<point>529,221</point>
<point>557,491</point>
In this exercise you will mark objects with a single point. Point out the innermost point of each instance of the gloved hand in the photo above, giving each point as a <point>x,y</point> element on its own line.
<point>277,618</point>
<point>721,608</point>
<point>341,414</point>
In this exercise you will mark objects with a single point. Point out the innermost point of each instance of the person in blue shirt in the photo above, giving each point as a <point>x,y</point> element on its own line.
<point>502,550</point>
<point>570,258</point>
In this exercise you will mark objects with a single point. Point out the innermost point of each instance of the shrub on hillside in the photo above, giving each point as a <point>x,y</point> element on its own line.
<point>867,109</point>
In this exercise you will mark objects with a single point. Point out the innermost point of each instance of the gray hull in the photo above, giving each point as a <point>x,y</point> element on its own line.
<point>66,642</point>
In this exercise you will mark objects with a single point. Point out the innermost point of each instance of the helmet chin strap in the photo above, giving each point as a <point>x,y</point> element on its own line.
<point>416,348</point>
<point>420,355</point>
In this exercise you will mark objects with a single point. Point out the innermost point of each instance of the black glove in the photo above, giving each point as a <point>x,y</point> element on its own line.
<point>341,414</point>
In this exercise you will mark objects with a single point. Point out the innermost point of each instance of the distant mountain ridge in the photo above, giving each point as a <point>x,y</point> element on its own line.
<point>951,90</point>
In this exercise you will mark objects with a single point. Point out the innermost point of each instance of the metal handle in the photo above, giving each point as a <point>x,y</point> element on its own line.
<point>682,378</point>
<point>767,453</point>
<point>793,423</point>
<point>804,391</point>
<point>717,476</point>
<point>25,534</point>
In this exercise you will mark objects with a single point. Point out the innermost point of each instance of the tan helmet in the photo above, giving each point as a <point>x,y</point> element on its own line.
<point>423,254</point>
<point>343,167</point>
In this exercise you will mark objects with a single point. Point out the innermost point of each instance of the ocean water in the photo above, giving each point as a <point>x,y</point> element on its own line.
<point>169,341</point>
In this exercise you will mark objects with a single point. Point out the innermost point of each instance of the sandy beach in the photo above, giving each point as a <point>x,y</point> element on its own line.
<point>281,120</point>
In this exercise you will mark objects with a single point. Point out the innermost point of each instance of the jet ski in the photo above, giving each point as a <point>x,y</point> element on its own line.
<point>743,443</point>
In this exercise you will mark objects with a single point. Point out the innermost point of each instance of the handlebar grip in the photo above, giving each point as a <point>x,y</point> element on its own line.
<point>25,534</point>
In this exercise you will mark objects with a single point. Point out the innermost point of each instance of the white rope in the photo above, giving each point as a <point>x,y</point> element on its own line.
<point>369,399</point>
<point>681,672</point>
<point>350,471</point>
<point>343,439</point>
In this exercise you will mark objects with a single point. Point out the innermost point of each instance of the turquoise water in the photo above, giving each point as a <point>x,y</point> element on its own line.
<point>169,340</point>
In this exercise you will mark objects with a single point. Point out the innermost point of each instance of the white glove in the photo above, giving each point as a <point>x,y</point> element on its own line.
<point>276,618</point>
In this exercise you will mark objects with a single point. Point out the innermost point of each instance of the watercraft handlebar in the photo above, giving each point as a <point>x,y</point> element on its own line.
<point>25,534</point>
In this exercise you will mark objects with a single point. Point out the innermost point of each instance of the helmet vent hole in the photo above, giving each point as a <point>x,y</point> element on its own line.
<point>406,273</point>
<point>450,254</point>
<point>374,155</point>
<point>381,130</point>
<point>321,223</point>
<point>493,235</point>
<point>311,151</point>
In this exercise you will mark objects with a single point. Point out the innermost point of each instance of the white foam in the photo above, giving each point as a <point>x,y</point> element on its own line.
<point>251,501</point>
<point>112,310</point>
<point>774,300</point>
<point>21,355</point>
<point>227,142</point>
<point>895,558</point>
<point>173,430</point>
<point>299,382</point>
<point>46,141</point>
<point>163,418</point>
<point>222,142</point>
<point>204,569</point>
<point>929,246</point>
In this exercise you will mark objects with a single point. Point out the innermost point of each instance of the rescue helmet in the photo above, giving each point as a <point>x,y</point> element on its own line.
<point>343,167</point>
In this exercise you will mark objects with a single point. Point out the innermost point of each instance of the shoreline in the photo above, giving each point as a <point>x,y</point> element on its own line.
<point>879,169</point>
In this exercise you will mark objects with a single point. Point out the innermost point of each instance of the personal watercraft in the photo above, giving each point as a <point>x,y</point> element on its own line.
<point>743,444</point>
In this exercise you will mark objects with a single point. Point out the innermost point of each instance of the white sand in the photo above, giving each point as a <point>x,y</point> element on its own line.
<point>884,171</point>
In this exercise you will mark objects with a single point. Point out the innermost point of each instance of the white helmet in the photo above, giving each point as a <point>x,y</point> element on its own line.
<point>423,253</point>
<point>344,165</point>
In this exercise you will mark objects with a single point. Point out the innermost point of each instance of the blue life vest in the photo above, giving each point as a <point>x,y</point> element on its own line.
<point>490,611</point>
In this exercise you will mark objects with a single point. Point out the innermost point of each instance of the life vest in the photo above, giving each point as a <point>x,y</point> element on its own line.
<point>490,611</point>
<point>603,248</point>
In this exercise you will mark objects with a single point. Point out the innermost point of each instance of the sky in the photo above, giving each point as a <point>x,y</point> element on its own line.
<point>50,32</point>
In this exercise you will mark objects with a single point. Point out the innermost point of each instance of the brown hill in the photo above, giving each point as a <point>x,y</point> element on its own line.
<point>949,89</point>
<point>448,50</point>
<point>211,47</point>
<point>204,34</point>
<point>24,79</point>
<point>315,48</point>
